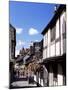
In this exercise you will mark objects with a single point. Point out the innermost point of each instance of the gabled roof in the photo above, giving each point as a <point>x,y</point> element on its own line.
<point>59,11</point>
<point>12,28</point>
<point>20,58</point>
<point>26,57</point>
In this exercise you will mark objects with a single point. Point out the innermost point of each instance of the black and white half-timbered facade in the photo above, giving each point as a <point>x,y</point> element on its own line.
<point>54,48</point>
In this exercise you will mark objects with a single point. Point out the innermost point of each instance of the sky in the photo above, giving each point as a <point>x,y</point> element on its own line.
<point>29,20</point>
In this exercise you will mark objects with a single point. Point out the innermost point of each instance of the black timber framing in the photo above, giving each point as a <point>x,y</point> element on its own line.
<point>55,59</point>
<point>59,11</point>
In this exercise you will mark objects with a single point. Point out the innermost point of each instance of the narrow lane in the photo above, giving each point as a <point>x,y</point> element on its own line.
<point>24,83</point>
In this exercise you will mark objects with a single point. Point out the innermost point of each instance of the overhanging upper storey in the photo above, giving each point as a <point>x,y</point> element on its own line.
<point>57,14</point>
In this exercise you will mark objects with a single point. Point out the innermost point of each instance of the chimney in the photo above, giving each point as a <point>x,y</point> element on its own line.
<point>55,8</point>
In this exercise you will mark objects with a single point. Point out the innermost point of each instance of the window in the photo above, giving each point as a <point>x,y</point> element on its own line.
<point>12,46</point>
<point>12,49</point>
<point>64,35</point>
<point>64,28</point>
<point>45,39</point>
<point>53,33</point>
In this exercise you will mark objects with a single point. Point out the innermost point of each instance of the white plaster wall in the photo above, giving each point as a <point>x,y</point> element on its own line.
<point>34,77</point>
<point>61,21</point>
<point>57,48</point>
<point>44,53</point>
<point>45,40</point>
<point>61,46</point>
<point>42,82</point>
<point>49,37</point>
<point>48,51</point>
<point>64,45</point>
<point>57,29</point>
<point>55,83</point>
<point>60,75</point>
<point>45,75</point>
<point>48,46</point>
<point>52,50</point>
<point>39,78</point>
<point>50,76</point>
